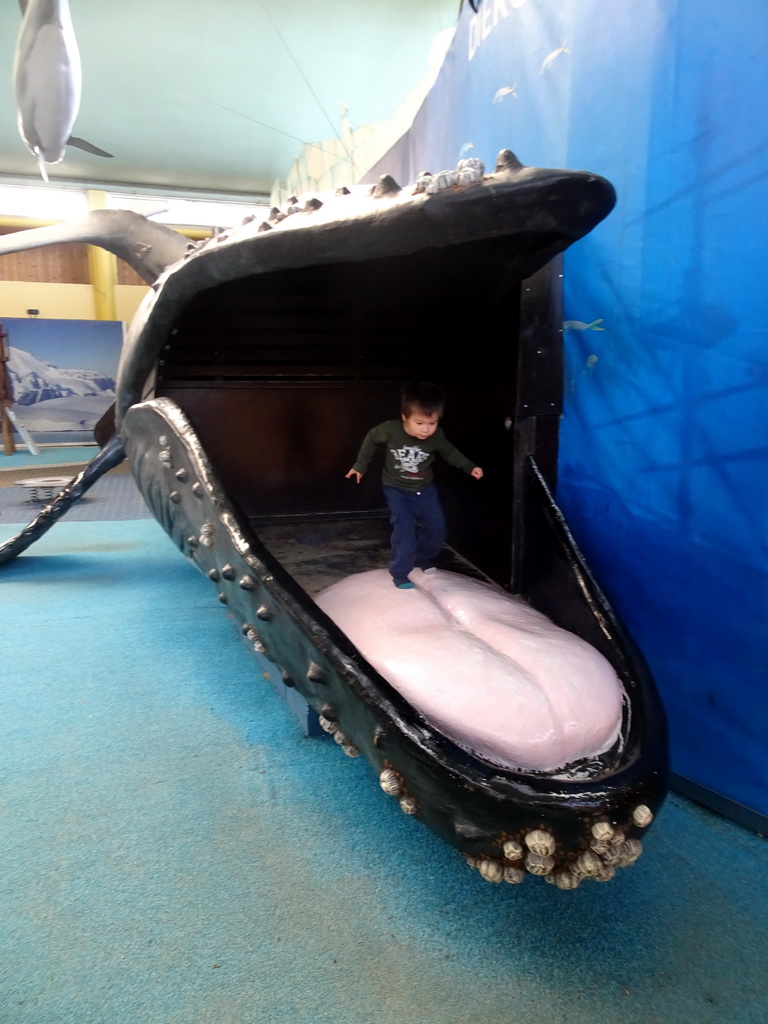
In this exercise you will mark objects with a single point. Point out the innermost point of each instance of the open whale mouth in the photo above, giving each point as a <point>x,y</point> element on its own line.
<point>250,376</point>
<point>273,352</point>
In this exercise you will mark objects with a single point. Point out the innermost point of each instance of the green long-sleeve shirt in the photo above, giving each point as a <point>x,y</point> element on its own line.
<point>408,460</point>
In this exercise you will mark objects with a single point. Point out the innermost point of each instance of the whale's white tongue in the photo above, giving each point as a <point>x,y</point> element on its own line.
<point>484,668</point>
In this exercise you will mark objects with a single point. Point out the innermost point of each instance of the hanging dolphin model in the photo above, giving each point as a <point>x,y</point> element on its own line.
<point>48,82</point>
<point>247,377</point>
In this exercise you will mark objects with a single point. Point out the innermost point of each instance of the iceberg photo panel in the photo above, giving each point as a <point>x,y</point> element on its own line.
<point>62,375</point>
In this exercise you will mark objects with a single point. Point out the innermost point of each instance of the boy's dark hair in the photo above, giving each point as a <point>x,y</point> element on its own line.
<point>422,395</point>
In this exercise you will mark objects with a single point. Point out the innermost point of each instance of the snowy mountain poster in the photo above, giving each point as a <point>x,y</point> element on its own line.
<point>62,375</point>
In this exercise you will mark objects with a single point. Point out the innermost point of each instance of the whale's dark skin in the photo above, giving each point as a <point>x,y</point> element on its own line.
<point>580,822</point>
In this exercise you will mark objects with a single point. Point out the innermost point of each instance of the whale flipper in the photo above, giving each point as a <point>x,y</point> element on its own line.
<point>147,247</point>
<point>111,455</point>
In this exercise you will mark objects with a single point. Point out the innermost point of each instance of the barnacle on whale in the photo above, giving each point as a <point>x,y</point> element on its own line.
<point>259,355</point>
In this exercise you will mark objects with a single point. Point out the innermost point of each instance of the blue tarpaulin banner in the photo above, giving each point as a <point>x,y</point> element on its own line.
<point>664,441</point>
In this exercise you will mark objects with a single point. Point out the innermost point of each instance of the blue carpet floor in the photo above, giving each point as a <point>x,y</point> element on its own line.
<point>113,497</point>
<point>174,851</point>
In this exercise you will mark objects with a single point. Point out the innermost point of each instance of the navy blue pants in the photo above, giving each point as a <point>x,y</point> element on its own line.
<point>418,529</point>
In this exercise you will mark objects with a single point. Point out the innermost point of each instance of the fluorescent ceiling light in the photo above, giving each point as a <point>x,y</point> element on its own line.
<point>57,204</point>
<point>42,203</point>
<point>211,213</point>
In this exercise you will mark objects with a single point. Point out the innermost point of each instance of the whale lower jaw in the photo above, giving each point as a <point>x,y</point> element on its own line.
<point>580,822</point>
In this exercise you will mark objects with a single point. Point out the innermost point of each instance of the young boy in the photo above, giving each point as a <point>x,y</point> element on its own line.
<point>418,524</point>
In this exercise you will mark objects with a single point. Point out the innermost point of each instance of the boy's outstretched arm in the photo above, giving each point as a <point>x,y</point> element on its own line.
<point>376,435</point>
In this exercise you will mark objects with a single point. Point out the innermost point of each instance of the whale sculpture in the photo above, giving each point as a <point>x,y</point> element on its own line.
<point>246,379</point>
<point>48,82</point>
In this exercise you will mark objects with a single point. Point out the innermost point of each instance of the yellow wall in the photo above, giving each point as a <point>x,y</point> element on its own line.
<point>64,301</point>
<point>127,300</point>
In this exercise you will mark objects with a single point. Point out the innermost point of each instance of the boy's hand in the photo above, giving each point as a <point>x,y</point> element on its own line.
<point>353,472</point>
<point>477,473</point>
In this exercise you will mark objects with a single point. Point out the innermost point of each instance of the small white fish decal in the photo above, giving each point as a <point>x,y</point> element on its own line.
<point>466,148</point>
<point>579,325</point>
<point>507,90</point>
<point>550,59</point>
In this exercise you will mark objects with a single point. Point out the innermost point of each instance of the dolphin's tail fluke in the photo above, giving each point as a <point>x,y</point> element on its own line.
<point>111,455</point>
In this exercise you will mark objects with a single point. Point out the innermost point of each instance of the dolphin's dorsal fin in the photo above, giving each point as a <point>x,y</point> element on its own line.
<point>88,147</point>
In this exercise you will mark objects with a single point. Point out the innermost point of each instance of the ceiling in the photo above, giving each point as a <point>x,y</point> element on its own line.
<point>220,95</point>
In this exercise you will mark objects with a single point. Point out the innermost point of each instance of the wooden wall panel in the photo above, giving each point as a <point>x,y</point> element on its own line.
<point>127,275</point>
<point>55,264</point>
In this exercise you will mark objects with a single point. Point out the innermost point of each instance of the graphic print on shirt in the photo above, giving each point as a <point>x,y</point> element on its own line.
<point>408,459</point>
